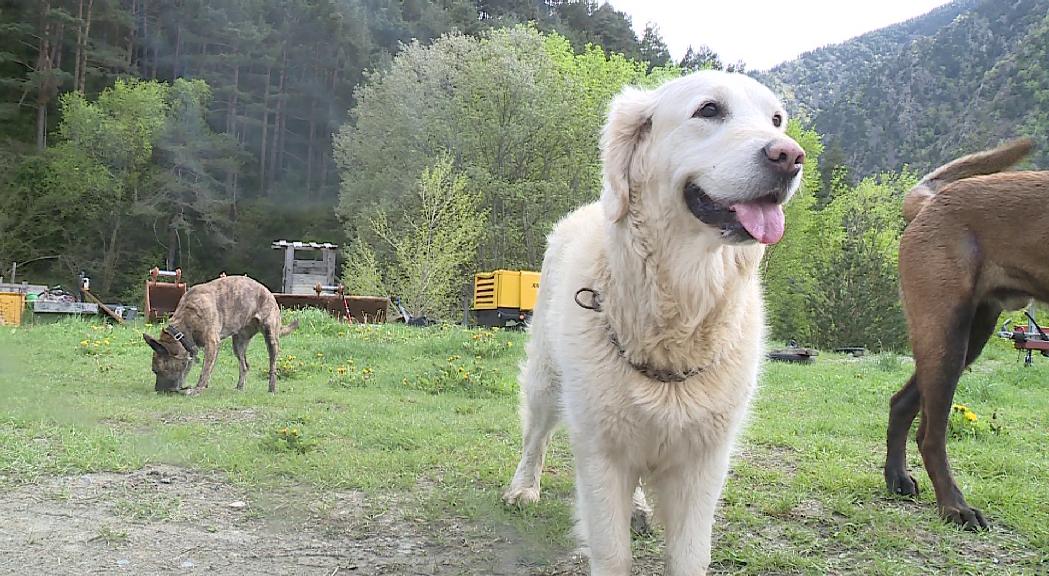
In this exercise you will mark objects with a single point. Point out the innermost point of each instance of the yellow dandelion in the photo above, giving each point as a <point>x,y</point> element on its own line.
<point>970,416</point>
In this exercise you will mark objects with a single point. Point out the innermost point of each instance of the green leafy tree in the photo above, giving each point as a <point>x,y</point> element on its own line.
<point>788,266</point>
<point>430,248</point>
<point>519,113</point>
<point>703,58</point>
<point>115,133</point>
<point>186,189</point>
<point>653,49</point>
<point>854,298</point>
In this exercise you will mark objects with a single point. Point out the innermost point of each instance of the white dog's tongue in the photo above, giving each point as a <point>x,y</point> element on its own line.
<point>764,220</point>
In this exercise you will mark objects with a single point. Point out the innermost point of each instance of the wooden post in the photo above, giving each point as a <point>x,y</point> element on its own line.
<point>104,308</point>
<point>289,268</point>
<point>329,264</point>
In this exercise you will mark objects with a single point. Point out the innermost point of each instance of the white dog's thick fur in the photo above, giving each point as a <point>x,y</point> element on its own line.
<point>675,295</point>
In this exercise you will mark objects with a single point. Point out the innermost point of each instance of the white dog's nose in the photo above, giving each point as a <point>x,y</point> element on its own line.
<point>785,155</point>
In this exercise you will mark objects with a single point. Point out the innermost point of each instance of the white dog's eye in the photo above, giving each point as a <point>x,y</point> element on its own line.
<point>708,110</point>
<point>777,120</point>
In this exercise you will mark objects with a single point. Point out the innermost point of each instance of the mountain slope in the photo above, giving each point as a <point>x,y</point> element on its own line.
<point>958,79</point>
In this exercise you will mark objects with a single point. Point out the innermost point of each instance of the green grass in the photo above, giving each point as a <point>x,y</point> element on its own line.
<point>428,416</point>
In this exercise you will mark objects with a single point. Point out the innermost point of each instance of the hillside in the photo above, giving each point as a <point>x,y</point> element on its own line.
<point>959,78</point>
<point>223,168</point>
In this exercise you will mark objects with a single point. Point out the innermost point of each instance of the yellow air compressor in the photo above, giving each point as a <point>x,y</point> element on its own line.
<point>505,298</point>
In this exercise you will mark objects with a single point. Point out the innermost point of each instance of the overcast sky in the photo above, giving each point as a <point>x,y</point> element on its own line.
<point>764,33</point>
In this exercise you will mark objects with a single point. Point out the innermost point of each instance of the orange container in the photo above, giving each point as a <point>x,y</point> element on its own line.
<point>11,306</point>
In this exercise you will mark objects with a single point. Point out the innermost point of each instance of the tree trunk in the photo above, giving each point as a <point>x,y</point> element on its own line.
<point>171,262</point>
<point>278,119</point>
<point>79,42</point>
<point>231,103</point>
<point>178,51</point>
<point>309,147</point>
<point>82,49</point>
<point>132,36</point>
<point>265,127</point>
<point>109,258</point>
<point>231,129</point>
<point>326,154</point>
<point>43,70</point>
<point>146,41</point>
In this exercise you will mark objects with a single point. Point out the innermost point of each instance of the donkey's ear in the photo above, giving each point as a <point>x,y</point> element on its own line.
<point>155,344</point>
<point>623,143</point>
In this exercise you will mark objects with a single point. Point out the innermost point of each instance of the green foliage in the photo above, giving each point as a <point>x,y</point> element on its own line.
<point>963,422</point>
<point>429,247</point>
<point>488,343</point>
<point>290,438</point>
<point>788,265</point>
<point>856,289</point>
<point>225,168</point>
<point>653,49</point>
<point>518,112</point>
<point>470,376</point>
<point>832,280</point>
<point>141,151</point>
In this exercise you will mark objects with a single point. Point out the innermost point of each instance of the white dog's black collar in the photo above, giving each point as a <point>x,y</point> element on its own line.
<point>658,374</point>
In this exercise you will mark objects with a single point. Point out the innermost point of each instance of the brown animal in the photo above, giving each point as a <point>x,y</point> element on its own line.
<point>976,243</point>
<point>234,306</point>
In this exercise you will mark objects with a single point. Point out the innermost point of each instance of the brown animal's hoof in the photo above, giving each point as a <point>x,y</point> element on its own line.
<point>901,483</point>
<point>969,519</point>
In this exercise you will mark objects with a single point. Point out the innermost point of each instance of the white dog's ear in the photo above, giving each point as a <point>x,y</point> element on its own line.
<point>622,148</point>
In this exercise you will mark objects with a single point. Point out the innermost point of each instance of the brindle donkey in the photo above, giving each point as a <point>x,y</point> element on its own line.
<point>234,306</point>
<point>976,243</point>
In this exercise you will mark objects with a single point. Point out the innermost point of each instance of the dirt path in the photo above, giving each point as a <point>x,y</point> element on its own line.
<point>168,520</point>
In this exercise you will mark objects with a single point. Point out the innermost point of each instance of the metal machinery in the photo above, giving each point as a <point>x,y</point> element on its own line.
<point>505,298</point>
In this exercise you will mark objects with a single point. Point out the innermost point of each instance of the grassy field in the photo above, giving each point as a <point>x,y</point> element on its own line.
<point>411,434</point>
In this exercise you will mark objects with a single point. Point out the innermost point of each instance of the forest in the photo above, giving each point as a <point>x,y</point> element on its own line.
<point>429,138</point>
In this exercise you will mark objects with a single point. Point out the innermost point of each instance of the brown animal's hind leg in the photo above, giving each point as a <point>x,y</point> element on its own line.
<point>902,410</point>
<point>984,322</point>
<point>905,404</point>
<point>240,348</point>
<point>938,370</point>
<point>273,346</point>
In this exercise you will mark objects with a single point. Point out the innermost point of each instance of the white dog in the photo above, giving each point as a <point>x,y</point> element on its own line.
<point>647,337</point>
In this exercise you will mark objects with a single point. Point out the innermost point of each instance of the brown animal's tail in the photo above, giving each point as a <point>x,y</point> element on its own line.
<point>980,163</point>
<point>288,328</point>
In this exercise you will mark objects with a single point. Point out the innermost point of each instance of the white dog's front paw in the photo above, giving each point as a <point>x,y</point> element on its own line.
<point>521,495</point>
